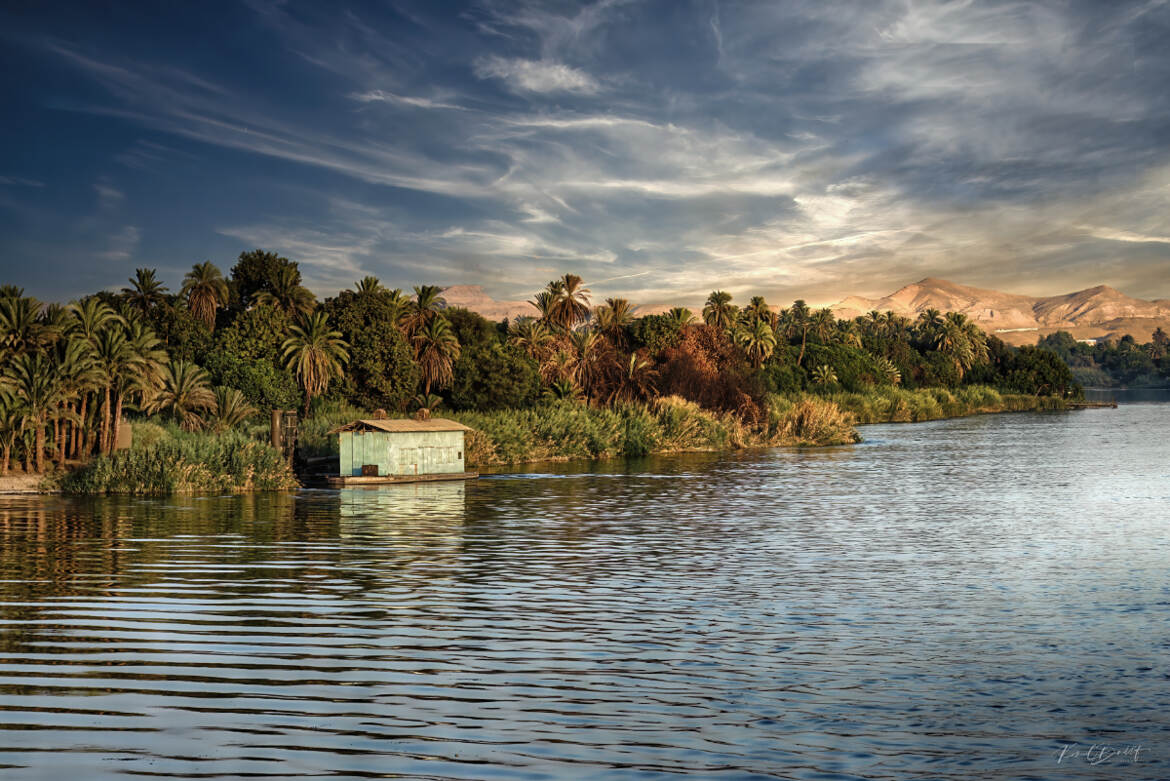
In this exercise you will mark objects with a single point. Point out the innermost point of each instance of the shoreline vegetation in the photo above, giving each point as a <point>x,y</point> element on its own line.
<point>192,377</point>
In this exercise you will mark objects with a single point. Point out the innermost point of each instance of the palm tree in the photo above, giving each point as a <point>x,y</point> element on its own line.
<point>436,349</point>
<point>681,316</point>
<point>92,317</point>
<point>315,353</point>
<point>370,285</point>
<point>758,341</point>
<point>889,371</point>
<point>287,294</point>
<point>231,408</point>
<point>572,301</point>
<point>588,351</point>
<point>113,358</point>
<point>184,393</point>
<point>531,336</point>
<point>719,311</point>
<point>205,291</point>
<point>824,375</point>
<point>21,327</point>
<point>758,309</point>
<point>546,303</point>
<point>423,309</point>
<point>822,323</point>
<point>562,390</point>
<point>34,382</point>
<point>145,291</point>
<point>10,426</point>
<point>78,376</point>
<point>612,319</point>
<point>798,320</point>
<point>635,382</point>
<point>142,371</point>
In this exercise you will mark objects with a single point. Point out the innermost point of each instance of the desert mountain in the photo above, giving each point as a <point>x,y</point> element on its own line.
<point>474,297</point>
<point>1092,313</point>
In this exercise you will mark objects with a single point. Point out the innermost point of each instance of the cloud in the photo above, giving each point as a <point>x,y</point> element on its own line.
<point>121,245</point>
<point>20,181</point>
<point>381,96</point>
<point>536,75</point>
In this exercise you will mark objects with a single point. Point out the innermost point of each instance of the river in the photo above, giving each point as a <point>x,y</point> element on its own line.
<point>986,597</point>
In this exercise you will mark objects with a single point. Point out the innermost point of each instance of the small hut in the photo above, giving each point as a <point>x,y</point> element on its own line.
<point>383,450</point>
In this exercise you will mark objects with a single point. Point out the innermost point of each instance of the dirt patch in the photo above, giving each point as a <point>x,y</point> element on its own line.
<point>21,484</point>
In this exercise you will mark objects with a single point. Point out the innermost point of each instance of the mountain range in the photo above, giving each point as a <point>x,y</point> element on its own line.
<point>1094,313</point>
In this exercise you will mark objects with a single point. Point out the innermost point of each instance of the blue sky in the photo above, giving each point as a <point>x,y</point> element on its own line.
<point>659,149</point>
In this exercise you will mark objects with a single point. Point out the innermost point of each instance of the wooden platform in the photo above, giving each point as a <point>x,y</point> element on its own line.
<point>350,481</point>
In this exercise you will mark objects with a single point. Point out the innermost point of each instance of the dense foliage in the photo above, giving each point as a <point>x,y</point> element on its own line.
<point>1114,362</point>
<point>214,359</point>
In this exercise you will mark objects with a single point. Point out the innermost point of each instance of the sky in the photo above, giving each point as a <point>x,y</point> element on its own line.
<point>659,149</point>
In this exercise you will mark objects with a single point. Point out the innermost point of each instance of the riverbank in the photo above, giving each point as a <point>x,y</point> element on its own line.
<point>166,461</point>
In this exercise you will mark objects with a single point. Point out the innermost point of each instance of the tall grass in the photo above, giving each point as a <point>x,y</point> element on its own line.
<point>169,461</point>
<point>898,405</point>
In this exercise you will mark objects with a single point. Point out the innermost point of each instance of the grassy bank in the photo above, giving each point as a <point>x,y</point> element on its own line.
<point>897,405</point>
<point>566,430</point>
<point>166,460</point>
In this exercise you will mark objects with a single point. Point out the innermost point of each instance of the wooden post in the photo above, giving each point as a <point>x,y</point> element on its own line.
<point>276,438</point>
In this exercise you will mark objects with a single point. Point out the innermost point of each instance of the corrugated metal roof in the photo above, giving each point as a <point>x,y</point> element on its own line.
<point>402,424</point>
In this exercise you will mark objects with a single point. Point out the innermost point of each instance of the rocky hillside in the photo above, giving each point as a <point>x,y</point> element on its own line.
<point>474,297</point>
<point>1088,314</point>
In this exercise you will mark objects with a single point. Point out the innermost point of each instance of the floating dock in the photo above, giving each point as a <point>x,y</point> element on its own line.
<point>359,481</point>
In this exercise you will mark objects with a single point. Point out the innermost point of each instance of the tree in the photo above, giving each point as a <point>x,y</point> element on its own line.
<point>184,393</point>
<point>381,373</point>
<point>246,356</point>
<point>435,350</point>
<point>35,384</point>
<point>145,290</point>
<point>757,340</point>
<point>635,381</point>
<point>797,320</point>
<point>570,301</point>
<point>10,426</point>
<point>719,311</point>
<point>681,316</point>
<point>369,285</point>
<point>824,375</point>
<point>532,336</point>
<point>654,332</point>
<point>21,327</point>
<point>286,293</point>
<point>613,318</point>
<point>205,291</point>
<point>253,273</point>
<point>423,309</point>
<point>315,353</point>
<point>494,376</point>
<point>231,408</point>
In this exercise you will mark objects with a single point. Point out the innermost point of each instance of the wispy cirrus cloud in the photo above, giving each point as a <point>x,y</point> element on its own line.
<point>536,75</point>
<point>810,148</point>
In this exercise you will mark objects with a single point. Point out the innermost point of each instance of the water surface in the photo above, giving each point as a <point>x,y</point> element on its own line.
<point>958,599</point>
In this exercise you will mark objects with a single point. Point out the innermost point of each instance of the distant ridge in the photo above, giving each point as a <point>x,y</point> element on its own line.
<point>474,297</point>
<point>1092,313</point>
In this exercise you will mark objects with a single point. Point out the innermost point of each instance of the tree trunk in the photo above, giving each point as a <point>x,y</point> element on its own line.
<point>6,458</point>
<point>40,440</point>
<point>117,422</point>
<point>308,398</point>
<point>803,340</point>
<point>82,433</point>
<point>57,443</point>
<point>104,442</point>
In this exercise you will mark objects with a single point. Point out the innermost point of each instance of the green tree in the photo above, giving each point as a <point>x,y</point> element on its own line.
<point>494,376</point>
<point>435,350</point>
<point>381,373</point>
<point>35,384</point>
<point>286,293</point>
<point>205,291</point>
<point>252,274</point>
<point>719,311</point>
<point>243,358</point>
<point>183,393</point>
<point>315,353</point>
<point>145,290</point>
<point>231,408</point>
<point>757,340</point>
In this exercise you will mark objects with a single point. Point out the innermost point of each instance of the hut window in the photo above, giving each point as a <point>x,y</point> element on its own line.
<point>460,455</point>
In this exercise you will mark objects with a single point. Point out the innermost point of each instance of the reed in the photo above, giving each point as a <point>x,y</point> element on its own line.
<point>169,461</point>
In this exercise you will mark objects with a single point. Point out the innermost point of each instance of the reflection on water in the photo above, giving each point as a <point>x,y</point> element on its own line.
<point>1128,395</point>
<point>959,599</point>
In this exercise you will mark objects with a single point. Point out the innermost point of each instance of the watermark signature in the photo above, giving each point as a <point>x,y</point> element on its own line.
<point>1099,753</point>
